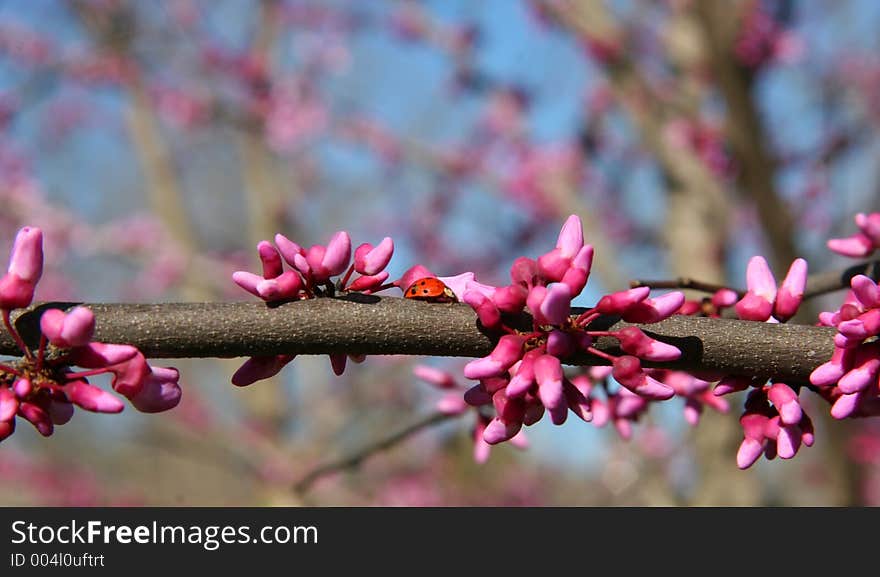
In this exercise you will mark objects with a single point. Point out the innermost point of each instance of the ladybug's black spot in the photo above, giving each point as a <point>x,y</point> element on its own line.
<point>425,291</point>
<point>421,283</point>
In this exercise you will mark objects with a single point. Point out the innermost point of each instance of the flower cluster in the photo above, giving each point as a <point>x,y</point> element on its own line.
<point>452,403</point>
<point>310,276</point>
<point>850,381</point>
<point>523,376</point>
<point>864,242</point>
<point>773,421</point>
<point>763,300</point>
<point>42,387</point>
<point>762,39</point>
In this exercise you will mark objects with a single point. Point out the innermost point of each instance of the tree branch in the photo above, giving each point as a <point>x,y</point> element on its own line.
<point>372,325</point>
<point>355,459</point>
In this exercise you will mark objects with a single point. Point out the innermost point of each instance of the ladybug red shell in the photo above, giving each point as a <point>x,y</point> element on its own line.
<point>430,289</point>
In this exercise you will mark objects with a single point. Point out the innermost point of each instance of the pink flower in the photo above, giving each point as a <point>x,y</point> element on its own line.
<point>453,403</point>
<point>370,260</point>
<point>762,300</point>
<point>503,356</point>
<point>862,243</point>
<point>25,269</point>
<point>43,389</point>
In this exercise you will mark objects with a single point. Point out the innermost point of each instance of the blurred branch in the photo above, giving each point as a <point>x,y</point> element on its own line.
<point>371,325</point>
<point>746,131</point>
<point>355,459</point>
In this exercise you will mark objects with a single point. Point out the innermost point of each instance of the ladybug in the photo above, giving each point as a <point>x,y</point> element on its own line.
<point>430,289</point>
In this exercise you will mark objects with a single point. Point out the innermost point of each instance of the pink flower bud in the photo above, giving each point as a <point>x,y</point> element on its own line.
<point>451,404</point>
<point>248,281</point>
<point>760,280</point>
<point>749,452</point>
<point>369,260</point>
<point>73,329</point>
<point>285,286</point>
<point>536,297</point>
<point>338,254</point>
<point>845,405</point>
<point>38,417</point>
<point>635,342</point>
<point>99,355</point>
<point>337,363</point>
<point>510,299</point>
<point>22,388</point>
<point>482,449</point>
<point>786,402</point>
<point>577,401</point>
<point>488,313</point>
<point>8,404</point>
<point>368,284</point>
<point>498,431</point>
<point>15,293</point>
<point>507,409</point>
<point>601,412</point>
<point>548,374</point>
<point>754,308</point>
<point>628,372</point>
<point>869,224</point>
<point>26,260</point>
<point>791,293</point>
<point>831,371</point>
<point>552,266</point>
<point>270,258</point>
<point>575,279</point>
<point>524,376</point>
<point>556,305</point>
<point>724,298</point>
<point>6,429</point>
<point>616,303</point>
<point>856,246</point>
<point>865,291</point>
<point>289,250</point>
<point>866,325</point>
<point>160,391</point>
<point>437,377</point>
<point>788,441</point>
<point>571,237</point>
<point>92,398</point>
<point>654,310</point>
<point>524,271</point>
<point>258,368</point>
<point>692,411</point>
<point>503,356</point>
<point>861,376</point>
<point>129,376</point>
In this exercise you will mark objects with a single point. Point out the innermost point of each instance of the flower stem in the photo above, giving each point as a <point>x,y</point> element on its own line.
<point>17,337</point>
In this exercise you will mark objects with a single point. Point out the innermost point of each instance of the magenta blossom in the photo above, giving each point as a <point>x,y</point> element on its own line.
<point>777,429</point>
<point>453,403</point>
<point>849,380</point>
<point>523,376</point>
<point>763,299</point>
<point>43,389</point>
<point>864,242</point>
<point>310,276</point>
